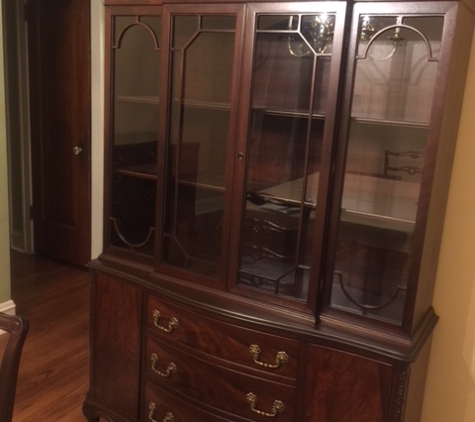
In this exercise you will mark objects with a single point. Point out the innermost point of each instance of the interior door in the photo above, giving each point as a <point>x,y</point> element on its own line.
<point>58,38</point>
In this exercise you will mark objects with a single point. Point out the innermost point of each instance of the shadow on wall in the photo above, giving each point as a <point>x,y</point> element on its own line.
<point>450,390</point>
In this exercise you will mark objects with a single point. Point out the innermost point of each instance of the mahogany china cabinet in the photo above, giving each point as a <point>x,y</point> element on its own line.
<point>275,183</point>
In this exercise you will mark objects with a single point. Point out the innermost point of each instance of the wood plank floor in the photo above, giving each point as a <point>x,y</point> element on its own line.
<point>54,369</point>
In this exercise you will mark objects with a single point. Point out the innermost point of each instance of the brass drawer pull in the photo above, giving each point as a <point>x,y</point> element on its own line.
<point>280,358</point>
<point>152,407</point>
<point>172,324</point>
<point>171,368</point>
<point>277,406</point>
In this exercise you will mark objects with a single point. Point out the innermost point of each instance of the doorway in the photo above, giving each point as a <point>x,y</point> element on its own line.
<point>59,97</point>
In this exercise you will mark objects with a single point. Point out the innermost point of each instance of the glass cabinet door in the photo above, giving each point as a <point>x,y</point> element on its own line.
<point>202,51</point>
<point>292,66</point>
<point>134,107</point>
<point>396,59</point>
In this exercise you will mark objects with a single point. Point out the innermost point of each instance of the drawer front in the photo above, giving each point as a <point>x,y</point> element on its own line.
<point>160,405</point>
<point>216,386</point>
<point>276,356</point>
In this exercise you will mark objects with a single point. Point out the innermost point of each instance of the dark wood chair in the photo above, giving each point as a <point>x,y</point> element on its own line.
<point>16,327</point>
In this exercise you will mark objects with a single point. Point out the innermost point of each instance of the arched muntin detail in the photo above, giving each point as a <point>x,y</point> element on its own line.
<point>398,26</point>
<point>141,24</point>
<point>361,305</point>
<point>127,242</point>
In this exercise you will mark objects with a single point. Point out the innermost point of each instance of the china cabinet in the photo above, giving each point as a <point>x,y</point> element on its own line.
<point>275,184</point>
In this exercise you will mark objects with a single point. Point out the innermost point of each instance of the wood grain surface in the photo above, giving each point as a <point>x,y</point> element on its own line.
<point>54,369</point>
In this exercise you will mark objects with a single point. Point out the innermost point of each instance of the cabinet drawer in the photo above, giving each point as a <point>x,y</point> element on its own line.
<point>215,386</point>
<point>159,405</point>
<point>278,357</point>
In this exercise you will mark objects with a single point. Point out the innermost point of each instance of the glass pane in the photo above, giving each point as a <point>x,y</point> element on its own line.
<point>136,56</point>
<point>153,23</point>
<point>184,29</point>
<point>120,23</point>
<point>290,78</point>
<point>396,71</point>
<point>393,91</point>
<point>202,67</point>
<point>219,22</point>
<point>274,23</point>
<point>432,28</point>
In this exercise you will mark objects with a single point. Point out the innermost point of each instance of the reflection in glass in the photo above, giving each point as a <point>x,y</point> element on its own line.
<point>396,70</point>
<point>136,56</point>
<point>202,59</point>
<point>394,82</point>
<point>316,35</point>
<point>291,67</point>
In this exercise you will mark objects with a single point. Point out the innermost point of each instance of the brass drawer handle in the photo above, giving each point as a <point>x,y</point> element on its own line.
<point>172,324</point>
<point>280,358</point>
<point>277,406</point>
<point>152,408</point>
<point>171,368</point>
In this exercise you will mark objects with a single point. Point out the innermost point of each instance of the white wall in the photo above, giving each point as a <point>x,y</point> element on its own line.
<point>4,213</point>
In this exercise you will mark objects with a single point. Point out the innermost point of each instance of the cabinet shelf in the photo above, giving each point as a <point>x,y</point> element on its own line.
<point>391,123</point>
<point>202,185</point>
<point>206,105</point>
<point>149,172</point>
<point>288,113</point>
<point>142,171</point>
<point>144,99</point>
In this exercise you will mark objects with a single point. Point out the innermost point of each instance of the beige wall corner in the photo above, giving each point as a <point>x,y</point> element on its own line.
<point>97,124</point>
<point>450,389</point>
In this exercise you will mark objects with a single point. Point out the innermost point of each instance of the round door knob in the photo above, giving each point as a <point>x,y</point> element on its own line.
<point>77,150</point>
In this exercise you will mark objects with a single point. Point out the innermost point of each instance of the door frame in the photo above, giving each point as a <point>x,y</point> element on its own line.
<point>14,18</point>
<point>24,241</point>
<point>97,124</point>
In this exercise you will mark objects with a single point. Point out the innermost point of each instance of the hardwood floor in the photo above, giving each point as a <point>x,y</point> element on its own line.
<point>54,368</point>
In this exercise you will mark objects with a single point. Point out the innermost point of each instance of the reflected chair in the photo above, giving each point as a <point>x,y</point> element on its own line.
<point>16,328</point>
<point>397,163</point>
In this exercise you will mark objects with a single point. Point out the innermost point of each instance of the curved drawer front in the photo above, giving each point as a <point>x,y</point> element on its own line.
<point>276,356</point>
<point>216,386</point>
<point>160,406</point>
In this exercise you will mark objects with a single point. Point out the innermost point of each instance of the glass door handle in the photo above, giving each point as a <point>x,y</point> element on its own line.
<point>77,150</point>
